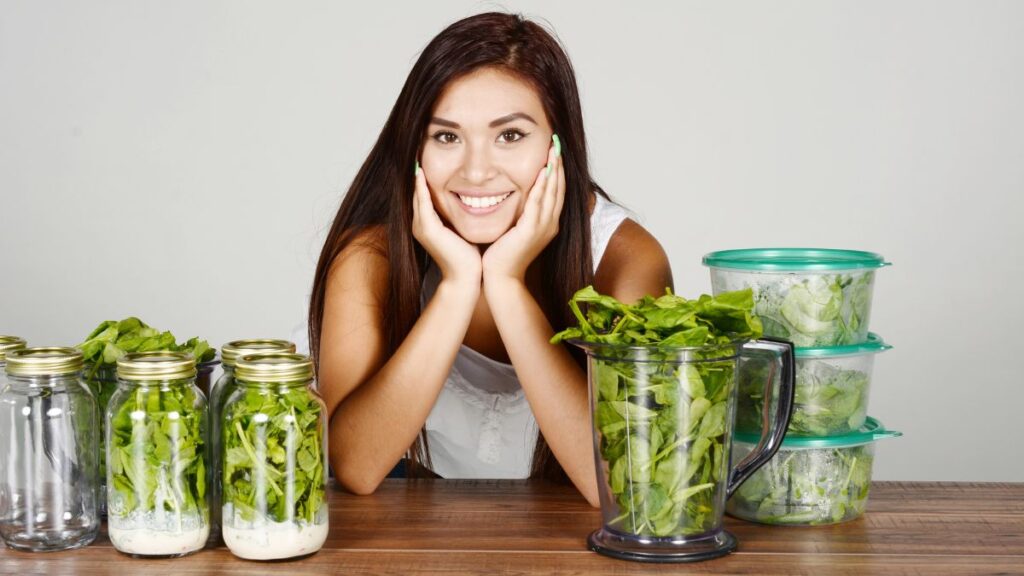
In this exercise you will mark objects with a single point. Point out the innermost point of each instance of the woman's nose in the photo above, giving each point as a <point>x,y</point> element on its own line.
<point>477,164</point>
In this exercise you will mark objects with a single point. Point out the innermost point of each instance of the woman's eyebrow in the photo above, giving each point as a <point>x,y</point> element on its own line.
<point>494,123</point>
<point>443,122</point>
<point>511,117</point>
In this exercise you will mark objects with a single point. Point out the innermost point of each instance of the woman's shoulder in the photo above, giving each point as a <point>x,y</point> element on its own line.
<point>363,260</point>
<point>633,264</point>
<point>370,242</point>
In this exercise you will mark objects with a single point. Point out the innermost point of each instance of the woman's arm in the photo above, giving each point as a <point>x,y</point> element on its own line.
<point>556,387</point>
<point>378,404</point>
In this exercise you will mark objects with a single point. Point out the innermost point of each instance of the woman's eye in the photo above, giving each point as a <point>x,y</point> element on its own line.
<point>509,136</point>
<point>445,137</point>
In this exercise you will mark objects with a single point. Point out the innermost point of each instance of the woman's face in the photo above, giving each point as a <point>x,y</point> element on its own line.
<point>486,143</point>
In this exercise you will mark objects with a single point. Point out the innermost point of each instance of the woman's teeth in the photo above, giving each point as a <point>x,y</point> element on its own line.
<point>484,201</point>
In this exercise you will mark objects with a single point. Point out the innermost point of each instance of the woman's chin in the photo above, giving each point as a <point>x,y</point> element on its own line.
<point>481,235</point>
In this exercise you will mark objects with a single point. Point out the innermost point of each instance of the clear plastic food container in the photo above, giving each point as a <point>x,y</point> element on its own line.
<point>812,297</point>
<point>810,481</point>
<point>832,386</point>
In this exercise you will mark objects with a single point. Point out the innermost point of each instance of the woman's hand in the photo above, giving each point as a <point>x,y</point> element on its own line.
<point>458,260</point>
<point>509,256</point>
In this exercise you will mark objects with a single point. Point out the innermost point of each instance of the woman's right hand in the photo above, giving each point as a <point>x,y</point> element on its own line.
<point>460,262</point>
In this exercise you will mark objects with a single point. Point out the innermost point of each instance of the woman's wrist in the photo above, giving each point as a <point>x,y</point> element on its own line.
<point>500,286</point>
<point>464,287</point>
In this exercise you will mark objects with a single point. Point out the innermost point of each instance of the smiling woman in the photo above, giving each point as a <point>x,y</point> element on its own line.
<point>450,262</point>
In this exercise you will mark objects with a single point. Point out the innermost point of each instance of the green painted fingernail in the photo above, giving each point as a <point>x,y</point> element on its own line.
<point>417,167</point>
<point>558,145</point>
<point>549,169</point>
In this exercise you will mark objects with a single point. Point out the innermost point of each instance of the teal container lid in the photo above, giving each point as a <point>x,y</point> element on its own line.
<point>873,345</point>
<point>794,260</point>
<point>871,431</point>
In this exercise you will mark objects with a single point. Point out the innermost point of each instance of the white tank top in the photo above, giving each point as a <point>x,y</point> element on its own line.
<point>482,425</point>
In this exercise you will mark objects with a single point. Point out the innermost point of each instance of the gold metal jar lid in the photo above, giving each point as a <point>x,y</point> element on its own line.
<point>232,351</point>
<point>274,367</point>
<point>52,361</point>
<point>8,343</point>
<point>141,366</point>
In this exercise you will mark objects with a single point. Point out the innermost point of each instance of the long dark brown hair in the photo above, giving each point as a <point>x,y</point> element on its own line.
<point>381,194</point>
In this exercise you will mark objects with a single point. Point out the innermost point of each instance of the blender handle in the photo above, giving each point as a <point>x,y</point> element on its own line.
<point>770,442</point>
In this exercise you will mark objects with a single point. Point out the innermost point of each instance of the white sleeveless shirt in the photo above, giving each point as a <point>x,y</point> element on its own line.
<point>481,425</point>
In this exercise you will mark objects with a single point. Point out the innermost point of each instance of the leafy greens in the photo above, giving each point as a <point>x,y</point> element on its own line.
<point>661,422</point>
<point>273,455</point>
<point>808,486</point>
<point>111,340</point>
<point>828,400</point>
<point>157,454</point>
<point>816,310</point>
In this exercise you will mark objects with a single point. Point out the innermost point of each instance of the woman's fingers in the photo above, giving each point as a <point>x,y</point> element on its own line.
<point>533,210</point>
<point>559,191</point>
<point>428,215</point>
<point>551,188</point>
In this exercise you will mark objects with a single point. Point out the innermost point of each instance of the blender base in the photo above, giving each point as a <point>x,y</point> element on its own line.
<point>628,548</point>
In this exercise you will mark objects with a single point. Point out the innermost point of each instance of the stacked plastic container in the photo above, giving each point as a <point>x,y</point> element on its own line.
<point>819,299</point>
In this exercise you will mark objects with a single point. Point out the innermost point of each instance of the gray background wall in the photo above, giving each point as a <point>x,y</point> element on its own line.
<point>180,162</point>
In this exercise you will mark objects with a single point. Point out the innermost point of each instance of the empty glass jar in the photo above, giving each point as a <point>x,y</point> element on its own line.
<point>274,460</point>
<point>48,452</point>
<point>156,457</point>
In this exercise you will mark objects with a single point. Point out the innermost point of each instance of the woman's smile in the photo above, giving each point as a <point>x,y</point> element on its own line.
<point>481,203</point>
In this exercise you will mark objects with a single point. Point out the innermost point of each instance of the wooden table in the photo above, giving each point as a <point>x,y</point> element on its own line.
<point>523,527</point>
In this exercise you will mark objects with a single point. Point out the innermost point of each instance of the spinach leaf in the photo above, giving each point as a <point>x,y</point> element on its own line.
<point>661,422</point>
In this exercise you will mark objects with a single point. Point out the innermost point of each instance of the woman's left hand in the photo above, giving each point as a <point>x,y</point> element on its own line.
<point>511,254</point>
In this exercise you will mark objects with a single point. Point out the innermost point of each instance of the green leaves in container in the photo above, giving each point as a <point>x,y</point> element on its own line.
<point>156,451</point>
<point>817,310</point>
<point>807,487</point>
<point>829,399</point>
<point>273,439</point>
<point>662,422</point>
<point>112,339</point>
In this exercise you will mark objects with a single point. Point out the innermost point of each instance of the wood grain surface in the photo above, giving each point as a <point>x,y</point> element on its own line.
<point>526,527</point>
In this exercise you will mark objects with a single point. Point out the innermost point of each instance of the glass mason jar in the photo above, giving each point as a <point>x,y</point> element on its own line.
<point>225,385</point>
<point>48,452</point>
<point>156,457</point>
<point>102,381</point>
<point>8,344</point>
<point>274,460</point>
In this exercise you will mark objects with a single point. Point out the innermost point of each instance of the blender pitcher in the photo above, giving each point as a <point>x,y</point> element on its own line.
<point>663,421</point>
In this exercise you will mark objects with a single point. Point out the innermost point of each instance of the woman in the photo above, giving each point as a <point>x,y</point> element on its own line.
<point>451,262</point>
